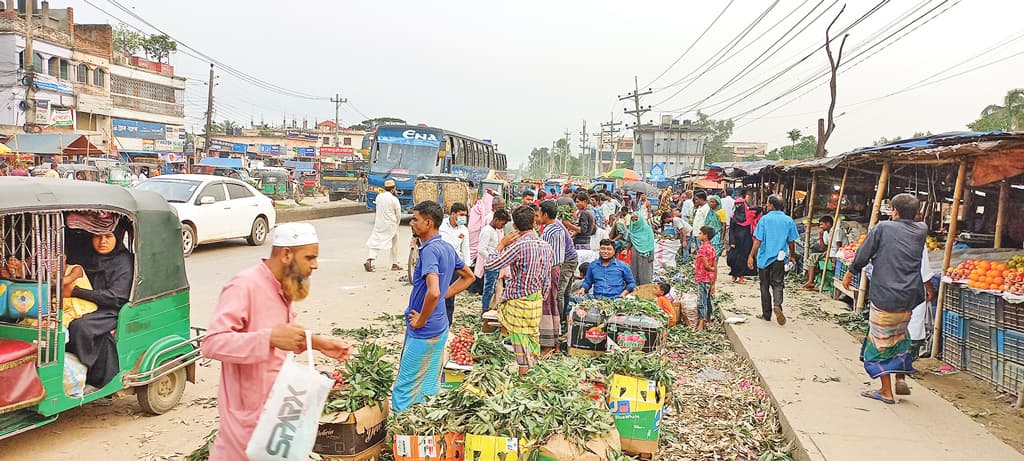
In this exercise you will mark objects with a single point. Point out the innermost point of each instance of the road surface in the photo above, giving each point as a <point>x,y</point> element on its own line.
<point>342,295</point>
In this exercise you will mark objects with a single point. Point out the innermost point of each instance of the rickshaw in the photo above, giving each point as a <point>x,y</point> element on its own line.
<point>522,186</point>
<point>41,224</point>
<point>273,182</point>
<point>444,189</point>
<point>500,188</point>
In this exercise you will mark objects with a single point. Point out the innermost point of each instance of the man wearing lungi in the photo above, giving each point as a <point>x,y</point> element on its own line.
<point>894,247</point>
<point>529,259</point>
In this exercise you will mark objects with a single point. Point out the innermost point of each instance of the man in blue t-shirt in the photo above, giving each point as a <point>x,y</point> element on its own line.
<point>426,330</point>
<point>774,241</point>
<point>608,277</point>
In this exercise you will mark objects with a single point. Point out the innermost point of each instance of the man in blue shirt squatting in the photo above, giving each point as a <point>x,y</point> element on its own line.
<point>774,241</point>
<point>608,277</point>
<point>426,318</point>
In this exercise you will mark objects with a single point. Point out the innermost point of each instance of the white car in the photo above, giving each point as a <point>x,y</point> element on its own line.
<point>215,208</point>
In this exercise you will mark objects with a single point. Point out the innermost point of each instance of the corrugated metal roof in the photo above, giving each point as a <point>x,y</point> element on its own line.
<point>48,144</point>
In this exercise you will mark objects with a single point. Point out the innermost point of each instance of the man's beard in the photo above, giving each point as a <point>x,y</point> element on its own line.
<point>295,286</point>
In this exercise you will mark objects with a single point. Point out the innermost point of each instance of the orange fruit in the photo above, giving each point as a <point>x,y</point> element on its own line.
<point>998,281</point>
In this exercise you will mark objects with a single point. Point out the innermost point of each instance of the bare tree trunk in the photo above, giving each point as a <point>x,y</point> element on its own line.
<point>833,62</point>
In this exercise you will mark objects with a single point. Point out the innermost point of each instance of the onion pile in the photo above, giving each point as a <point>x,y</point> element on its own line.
<point>460,346</point>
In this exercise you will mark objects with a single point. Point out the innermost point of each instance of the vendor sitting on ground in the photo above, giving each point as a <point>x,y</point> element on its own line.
<point>608,277</point>
<point>111,272</point>
<point>817,251</point>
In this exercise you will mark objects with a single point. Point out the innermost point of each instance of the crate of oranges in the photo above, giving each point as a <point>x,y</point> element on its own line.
<point>984,275</point>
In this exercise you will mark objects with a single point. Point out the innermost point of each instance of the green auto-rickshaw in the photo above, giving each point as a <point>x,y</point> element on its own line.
<point>46,225</point>
<point>273,182</point>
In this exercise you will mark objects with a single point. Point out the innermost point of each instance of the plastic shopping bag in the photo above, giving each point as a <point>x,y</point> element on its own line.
<point>288,425</point>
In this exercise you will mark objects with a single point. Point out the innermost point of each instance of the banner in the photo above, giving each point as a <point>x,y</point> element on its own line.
<point>271,149</point>
<point>222,146</point>
<point>136,129</point>
<point>335,150</point>
<point>411,137</point>
<point>240,148</point>
<point>305,151</point>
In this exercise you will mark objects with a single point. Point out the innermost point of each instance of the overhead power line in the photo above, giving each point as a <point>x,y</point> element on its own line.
<point>692,45</point>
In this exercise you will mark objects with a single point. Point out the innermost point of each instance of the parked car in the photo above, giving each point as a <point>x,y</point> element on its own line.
<point>215,208</point>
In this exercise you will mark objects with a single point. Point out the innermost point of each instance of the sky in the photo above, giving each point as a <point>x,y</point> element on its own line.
<point>522,73</point>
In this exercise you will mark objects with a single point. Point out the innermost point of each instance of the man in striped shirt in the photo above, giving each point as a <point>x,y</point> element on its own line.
<point>560,240</point>
<point>529,259</point>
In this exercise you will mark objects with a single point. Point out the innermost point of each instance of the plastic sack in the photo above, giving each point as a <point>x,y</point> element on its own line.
<point>690,301</point>
<point>665,252</point>
<point>288,424</point>
<point>74,376</point>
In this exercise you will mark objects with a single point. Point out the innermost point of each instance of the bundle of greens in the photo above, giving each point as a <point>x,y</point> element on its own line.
<point>489,379</point>
<point>612,307</point>
<point>365,380</point>
<point>427,418</point>
<point>640,365</point>
<point>566,213</point>
<point>489,350</point>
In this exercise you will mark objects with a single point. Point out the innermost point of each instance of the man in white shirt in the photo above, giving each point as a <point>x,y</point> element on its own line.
<point>728,206</point>
<point>454,231</point>
<point>490,236</point>
<point>700,214</point>
<point>683,230</point>
<point>686,210</point>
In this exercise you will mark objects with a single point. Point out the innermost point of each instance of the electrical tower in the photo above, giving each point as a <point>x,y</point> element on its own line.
<point>638,111</point>
<point>611,129</point>
<point>584,148</point>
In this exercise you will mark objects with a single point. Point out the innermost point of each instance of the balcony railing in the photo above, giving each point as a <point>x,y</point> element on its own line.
<point>148,105</point>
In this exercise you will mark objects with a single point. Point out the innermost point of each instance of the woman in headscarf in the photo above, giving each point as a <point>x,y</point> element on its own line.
<point>716,220</point>
<point>741,231</point>
<point>111,271</point>
<point>641,237</point>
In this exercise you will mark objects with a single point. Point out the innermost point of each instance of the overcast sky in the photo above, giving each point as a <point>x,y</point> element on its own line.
<point>521,73</point>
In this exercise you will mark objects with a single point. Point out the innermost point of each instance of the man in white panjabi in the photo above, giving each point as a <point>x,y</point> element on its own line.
<point>385,227</point>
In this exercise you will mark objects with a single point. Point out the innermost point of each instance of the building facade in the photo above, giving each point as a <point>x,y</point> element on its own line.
<point>148,110</point>
<point>678,146</point>
<point>747,151</point>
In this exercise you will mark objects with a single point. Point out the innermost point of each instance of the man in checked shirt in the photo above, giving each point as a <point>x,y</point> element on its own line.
<point>529,259</point>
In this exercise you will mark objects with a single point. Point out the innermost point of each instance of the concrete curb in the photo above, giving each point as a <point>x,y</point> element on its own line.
<point>800,443</point>
<point>306,213</point>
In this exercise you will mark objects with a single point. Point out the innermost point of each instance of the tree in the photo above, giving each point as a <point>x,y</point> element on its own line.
<point>793,135</point>
<point>718,132</point>
<point>804,149</point>
<point>537,167</point>
<point>833,63</point>
<point>372,123</point>
<point>1007,117</point>
<point>159,47</point>
<point>127,40</point>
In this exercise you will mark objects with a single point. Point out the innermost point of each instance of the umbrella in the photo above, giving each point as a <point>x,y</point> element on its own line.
<point>623,173</point>
<point>638,186</point>
<point>4,149</point>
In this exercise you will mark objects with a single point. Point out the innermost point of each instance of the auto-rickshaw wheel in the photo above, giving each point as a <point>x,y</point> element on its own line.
<point>160,396</point>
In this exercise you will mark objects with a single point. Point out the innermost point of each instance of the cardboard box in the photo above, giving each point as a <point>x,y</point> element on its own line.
<point>487,448</point>
<point>559,449</point>
<point>452,375</point>
<point>449,447</point>
<point>636,405</point>
<point>350,435</point>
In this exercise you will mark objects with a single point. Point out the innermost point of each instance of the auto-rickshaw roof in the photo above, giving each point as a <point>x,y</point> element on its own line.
<point>28,194</point>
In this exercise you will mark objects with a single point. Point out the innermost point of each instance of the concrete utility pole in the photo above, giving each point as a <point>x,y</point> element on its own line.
<point>209,115</point>
<point>30,72</point>
<point>638,112</point>
<point>583,148</point>
<point>565,154</point>
<point>338,101</point>
<point>611,129</point>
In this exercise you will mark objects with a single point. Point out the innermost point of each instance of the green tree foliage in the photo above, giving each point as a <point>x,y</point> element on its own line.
<point>375,122</point>
<point>799,150</point>
<point>159,47</point>
<point>793,135</point>
<point>127,40</point>
<point>537,167</point>
<point>719,132</point>
<point>1007,117</point>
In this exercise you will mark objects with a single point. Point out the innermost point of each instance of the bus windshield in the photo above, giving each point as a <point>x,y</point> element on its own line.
<point>413,159</point>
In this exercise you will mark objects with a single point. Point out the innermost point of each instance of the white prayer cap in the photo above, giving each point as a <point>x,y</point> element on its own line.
<point>294,234</point>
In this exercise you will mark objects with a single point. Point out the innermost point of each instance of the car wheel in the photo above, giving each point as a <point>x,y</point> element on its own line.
<point>188,239</point>
<point>258,234</point>
<point>162,395</point>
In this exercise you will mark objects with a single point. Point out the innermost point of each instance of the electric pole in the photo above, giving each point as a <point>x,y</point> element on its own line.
<point>638,111</point>
<point>583,148</point>
<point>209,116</point>
<point>28,62</point>
<point>611,129</point>
<point>565,154</point>
<point>338,101</point>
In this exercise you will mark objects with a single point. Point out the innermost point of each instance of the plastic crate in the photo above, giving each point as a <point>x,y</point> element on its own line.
<point>982,364</point>
<point>1010,345</point>
<point>953,352</point>
<point>981,335</point>
<point>1012,377</point>
<point>953,326</point>
<point>952,300</point>
<point>1010,315</point>
<point>979,305</point>
<point>840,272</point>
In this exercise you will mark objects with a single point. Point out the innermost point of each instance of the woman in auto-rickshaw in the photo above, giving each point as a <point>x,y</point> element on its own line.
<point>109,267</point>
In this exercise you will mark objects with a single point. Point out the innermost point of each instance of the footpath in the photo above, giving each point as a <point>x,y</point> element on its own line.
<point>811,370</point>
<point>317,208</point>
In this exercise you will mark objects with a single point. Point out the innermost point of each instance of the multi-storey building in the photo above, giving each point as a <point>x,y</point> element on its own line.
<point>677,145</point>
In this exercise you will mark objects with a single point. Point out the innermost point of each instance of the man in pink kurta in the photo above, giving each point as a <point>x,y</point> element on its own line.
<point>252,332</point>
<point>479,216</point>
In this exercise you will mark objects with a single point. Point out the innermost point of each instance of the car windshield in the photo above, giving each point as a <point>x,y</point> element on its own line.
<point>413,159</point>
<point>172,190</point>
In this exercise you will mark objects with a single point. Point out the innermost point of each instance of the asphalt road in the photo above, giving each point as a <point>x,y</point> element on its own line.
<point>342,295</point>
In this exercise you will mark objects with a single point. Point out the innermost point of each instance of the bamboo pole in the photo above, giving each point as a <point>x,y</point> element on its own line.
<point>810,216</point>
<point>1004,193</point>
<point>792,196</point>
<point>883,182</point>
<point>954,211</point>
<point>835,227</point>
